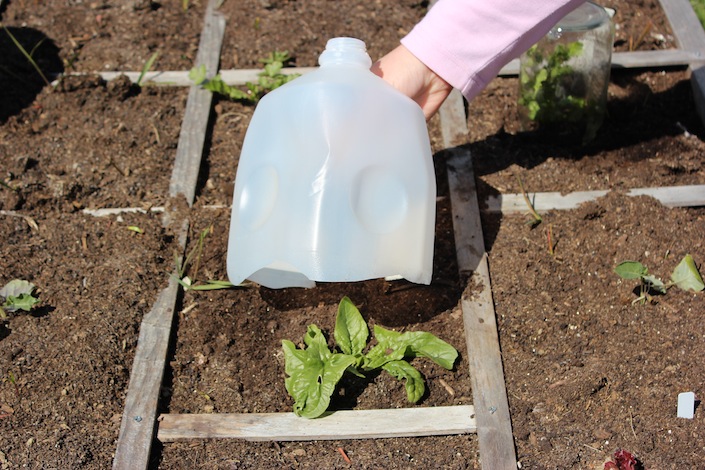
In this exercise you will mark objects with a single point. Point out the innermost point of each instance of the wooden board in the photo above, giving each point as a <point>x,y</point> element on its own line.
<point>198,106</point>
<point>138,424</point>
<point>349,424</point>
<point>690,37</point>
<point>620,60</point>
<point>673,196</point>
<point>494,426</point>
<point>139,416</point>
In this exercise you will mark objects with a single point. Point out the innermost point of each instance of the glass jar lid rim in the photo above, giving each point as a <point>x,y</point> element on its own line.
<point>587,16</point>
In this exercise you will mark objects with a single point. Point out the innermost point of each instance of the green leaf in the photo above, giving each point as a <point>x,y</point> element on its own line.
<point>209,285</point>
<point>414,383</point>
<point>22,302</point>
<point>147,66</point>
<point>313,373</point>
<point>393,346</point>
<point>388,348</point>
<point>197,74</point>
<point>631,270</point>
<point>350,328</point>
<point>686,275</point>
<point>18,296</point>
<point>424,344</point>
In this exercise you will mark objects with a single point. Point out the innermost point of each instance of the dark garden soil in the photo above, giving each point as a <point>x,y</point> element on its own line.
<point>587,372</point>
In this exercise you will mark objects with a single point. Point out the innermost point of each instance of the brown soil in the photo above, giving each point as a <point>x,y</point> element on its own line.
<point>587,372</point>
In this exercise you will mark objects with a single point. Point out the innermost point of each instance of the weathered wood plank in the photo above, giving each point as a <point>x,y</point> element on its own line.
<point>620,60</point>
<point>631,60</point>
<point>670,196</point>
<point>192,137</point>
<point>494,427</point>
<point>139,416</point>
<point>180,77</point>
<point>685,25</point>
<point>348,424</point>
<point>691,38</point>
<point>140,413</point>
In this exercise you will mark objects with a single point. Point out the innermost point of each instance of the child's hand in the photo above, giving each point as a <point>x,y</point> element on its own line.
<point>409,75</point>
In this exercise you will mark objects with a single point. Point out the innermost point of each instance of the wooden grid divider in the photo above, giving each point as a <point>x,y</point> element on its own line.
<point>139,417</point>
<point>489,416</point>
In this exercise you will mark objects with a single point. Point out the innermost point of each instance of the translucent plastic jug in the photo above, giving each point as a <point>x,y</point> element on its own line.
<point>335,181</point>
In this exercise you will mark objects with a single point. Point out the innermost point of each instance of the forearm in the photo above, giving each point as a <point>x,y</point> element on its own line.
<point>467,42</point>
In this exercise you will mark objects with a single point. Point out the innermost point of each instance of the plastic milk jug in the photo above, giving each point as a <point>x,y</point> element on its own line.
<point>335,181</point>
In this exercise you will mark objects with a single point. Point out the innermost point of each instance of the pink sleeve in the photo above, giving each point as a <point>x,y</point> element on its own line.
<point>467,42</point>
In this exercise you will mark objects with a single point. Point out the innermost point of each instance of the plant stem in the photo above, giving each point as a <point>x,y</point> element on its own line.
<point>549,236</point>
<point>535,215</point>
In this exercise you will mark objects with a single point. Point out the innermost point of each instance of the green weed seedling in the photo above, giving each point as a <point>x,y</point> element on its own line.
<point>28,55</point>
<point>146,68</point>
<point>534,219</point>
<point>313,373</point>
<point>192,263</point>
<point>269,79</point>
<point>17,295</point>
<point>685,276</point>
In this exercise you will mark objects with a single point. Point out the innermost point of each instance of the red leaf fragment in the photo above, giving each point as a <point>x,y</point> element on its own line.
<point>625,460</point>
<point>622,460</point>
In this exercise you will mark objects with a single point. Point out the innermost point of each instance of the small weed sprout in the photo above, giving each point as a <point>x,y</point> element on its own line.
<point>17,295</point>
<point>314,372</point>
<point>192,263</point>
<point>535,218</point>
<point>685,276</point>
<point>28,55</point>
<point>269,79</point>
<point>146,68</point>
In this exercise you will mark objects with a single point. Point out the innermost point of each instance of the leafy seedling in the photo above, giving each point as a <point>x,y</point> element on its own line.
<point>685,276</point>
<point>269,79</point>
<point>17,295</point>
<point>314,372</point>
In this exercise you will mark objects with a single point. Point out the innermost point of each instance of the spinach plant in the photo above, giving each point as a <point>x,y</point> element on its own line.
<point>17,295</point>
<point>314,372</point>
<point>685,276</point>
<point>269,79</point>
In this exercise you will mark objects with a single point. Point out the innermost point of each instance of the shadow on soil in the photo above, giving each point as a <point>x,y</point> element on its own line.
<point>20,81</point>
<point>637,117</point>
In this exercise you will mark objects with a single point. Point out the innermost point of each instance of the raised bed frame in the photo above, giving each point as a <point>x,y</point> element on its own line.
<point>489,415</point>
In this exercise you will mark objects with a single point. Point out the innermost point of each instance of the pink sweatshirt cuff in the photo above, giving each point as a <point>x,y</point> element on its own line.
<point>467,42</point>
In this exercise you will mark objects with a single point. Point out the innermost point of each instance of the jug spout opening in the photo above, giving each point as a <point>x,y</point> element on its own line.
<point>345,51</point>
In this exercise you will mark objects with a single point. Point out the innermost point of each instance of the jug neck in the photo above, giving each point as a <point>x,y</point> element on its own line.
<point>345,51</point>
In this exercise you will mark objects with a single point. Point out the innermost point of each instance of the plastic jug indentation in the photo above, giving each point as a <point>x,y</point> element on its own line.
<point>379,199</point>
<point>259,196</point>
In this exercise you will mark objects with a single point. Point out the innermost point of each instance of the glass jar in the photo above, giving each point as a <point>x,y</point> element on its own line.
<point>563,78</point>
